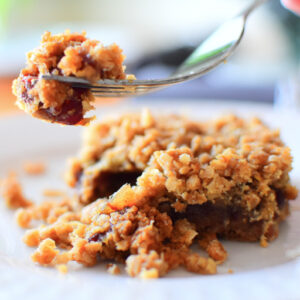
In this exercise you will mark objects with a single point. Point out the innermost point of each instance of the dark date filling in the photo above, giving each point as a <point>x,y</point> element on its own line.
<point>230,222</point>
<point>28,82</point>
<point>108,183</point>
<point>70,113</point>
<point>226,221</point>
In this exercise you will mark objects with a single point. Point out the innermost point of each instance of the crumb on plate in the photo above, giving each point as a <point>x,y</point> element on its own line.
<point>34,167</point>
<point>63,269</point>
<point>113,269</point>
<point>12,192</point>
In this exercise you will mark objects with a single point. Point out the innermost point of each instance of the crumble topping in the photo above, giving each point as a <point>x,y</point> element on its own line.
<point>147,188</point>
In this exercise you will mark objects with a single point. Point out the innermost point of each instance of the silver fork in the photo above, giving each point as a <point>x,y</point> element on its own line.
<point>209,54</point>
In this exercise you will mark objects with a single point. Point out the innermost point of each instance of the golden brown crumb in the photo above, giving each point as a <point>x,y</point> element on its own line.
<point>34,168</point>
<point>113,269</point>
<point>291,192</point>
<point>149,274</point>
<point>230,271</point>
<point>32,237</point>
<point>45,253</point>
<point>13,194</point>
<point>23,218</point>
<point>264,242</point>
<point>49,211</point>
<point>146,266</point>
<point>198,264</point>
<point>213,247</point>
<point>63,269</point>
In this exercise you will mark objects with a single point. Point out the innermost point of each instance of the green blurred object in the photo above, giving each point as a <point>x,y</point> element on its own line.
<point>200,55</point>
<point>6,7</point>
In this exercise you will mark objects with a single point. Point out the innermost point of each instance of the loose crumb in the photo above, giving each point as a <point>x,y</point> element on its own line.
<point>230,271</point>
<point>264,242</point>
<point>34,168</point>
<point>113,269</point>
<point>13,194</point>
<point>46,252</point>
<point>202,265</point>
<point>32,237</point>
<point>213,247</point>
<point>63,269</point>
<point>23,218</point>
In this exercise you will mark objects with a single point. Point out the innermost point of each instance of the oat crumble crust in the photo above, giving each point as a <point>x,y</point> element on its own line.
<point>67,54</point>
<point>148,187</point>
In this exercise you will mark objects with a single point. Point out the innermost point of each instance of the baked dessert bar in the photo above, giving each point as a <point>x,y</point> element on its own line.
<point>228,177</point>
<point>69,54</point>
<point>148,187</point>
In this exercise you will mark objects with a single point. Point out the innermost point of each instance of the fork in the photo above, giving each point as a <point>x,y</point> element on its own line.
<point>208,55</point>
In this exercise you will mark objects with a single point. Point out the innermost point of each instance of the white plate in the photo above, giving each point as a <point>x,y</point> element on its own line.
<point>259,273</point>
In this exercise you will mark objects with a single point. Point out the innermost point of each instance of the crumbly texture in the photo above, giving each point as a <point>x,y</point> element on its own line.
<point>13,194</point>
<point>34,167</point>
<point>149,187</point>
<point>113,269</point>
<point>66,54</point>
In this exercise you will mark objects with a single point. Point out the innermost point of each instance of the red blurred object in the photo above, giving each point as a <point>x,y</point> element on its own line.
<point>293,5</point>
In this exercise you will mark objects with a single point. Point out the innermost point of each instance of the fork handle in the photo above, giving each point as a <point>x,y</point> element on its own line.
<point>252,7</point>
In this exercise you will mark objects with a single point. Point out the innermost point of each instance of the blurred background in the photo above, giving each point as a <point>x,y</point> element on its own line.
<point>157,35</point>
